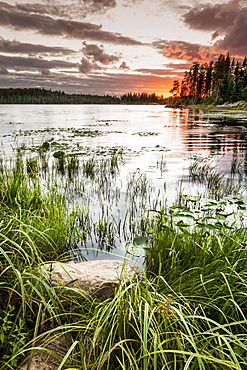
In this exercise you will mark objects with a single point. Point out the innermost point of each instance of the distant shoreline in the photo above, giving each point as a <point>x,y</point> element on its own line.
<point>43,96</point>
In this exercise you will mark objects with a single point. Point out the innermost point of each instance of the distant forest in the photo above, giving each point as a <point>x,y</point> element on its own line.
<point>217,82</point>
<point>224,80</point>
<point>43,96</point>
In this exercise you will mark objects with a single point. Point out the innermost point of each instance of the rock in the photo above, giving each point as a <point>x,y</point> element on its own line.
<point>98,278</point>
<point>237,104</point>
<point>50,357</point>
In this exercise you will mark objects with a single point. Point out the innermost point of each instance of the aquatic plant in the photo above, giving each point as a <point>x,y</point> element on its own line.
<point>187,308</point>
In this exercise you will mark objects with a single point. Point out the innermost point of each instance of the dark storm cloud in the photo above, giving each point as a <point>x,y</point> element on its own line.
<point>23,64</point>
<point>98,54</point>
<point>17,47</point>
<point>229,20</point>
<point>11,16</point>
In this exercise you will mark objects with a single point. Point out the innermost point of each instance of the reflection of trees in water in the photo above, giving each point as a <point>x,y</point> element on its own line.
<point>190,119</point>
<point>202,133</point>
<point>220,143</point>
<point>245,159</point>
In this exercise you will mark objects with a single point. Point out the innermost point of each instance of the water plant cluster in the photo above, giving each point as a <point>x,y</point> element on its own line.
<point>187,309</point>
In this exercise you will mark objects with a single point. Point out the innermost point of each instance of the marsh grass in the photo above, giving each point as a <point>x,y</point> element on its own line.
<point>187,308</point>
<point>151,330</point>
<point>36,226</point>
<point>203,170</point>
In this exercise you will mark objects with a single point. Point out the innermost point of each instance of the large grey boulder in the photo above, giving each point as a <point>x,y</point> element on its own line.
<point>98,278</point>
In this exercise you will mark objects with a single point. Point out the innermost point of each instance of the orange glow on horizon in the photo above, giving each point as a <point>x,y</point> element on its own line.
<point>165,92</point>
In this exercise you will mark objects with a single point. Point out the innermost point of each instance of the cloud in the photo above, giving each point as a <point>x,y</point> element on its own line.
<point>212,17</point>
<point>179,66</point>
<point>69,8</point>
<point>178,6</point>
<point>235,40</point>
<point>3,71</point>
<point>11,16</point>
<point>160,72</point>
<point>17,47</point>
<point>184,50</point>
<point>215,35</point>
<point>113,84</point>
<point>124,66</point>
<point>24,64</point>
<point>228,19</point>
<point>86,67</point>
<point>45,72</point>
<point>97,54</point>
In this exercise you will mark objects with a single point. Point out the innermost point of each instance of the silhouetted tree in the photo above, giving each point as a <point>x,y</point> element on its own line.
<point>222,80</point>
<point>176,88</point>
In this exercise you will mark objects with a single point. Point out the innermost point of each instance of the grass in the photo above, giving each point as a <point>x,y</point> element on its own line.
<point>187,310</point>
<point>203,170</point>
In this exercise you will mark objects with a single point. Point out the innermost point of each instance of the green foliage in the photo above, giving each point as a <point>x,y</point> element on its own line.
<point>140,98</point>
<point>29,211</point>
<point>43,96</point>
<point>187,308</point>
<point>244,93</point>
<point>138,246</point>
<point>215,82</point>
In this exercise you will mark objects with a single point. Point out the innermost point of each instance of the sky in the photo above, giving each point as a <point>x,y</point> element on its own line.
<point>114,46</point>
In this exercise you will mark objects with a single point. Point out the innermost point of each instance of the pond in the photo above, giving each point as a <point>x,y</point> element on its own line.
<point>131,159</point>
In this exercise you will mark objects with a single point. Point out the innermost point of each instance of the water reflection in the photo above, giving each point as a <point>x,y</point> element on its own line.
<point>166,153</point>
<point>148,132</point>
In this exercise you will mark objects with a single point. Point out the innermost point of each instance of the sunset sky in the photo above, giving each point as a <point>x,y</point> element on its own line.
<point>114,46</point>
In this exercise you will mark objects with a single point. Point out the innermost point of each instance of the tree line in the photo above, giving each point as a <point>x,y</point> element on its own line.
<point>217,82</point>
<point>44,96</point>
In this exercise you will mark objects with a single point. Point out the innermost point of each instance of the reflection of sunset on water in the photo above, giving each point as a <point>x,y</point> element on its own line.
<point>149,134</point>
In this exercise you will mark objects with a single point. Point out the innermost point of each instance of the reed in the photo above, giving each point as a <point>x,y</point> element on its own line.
<point>186,310</point>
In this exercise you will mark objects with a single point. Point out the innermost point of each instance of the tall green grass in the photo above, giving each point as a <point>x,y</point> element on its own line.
<point>186,310</point>
<point>35,225</point>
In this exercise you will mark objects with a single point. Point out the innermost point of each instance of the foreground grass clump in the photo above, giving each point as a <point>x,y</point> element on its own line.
<point>35,226</point>
<point>145,329</point>
<point>187,311</point>
<point>28,210</point>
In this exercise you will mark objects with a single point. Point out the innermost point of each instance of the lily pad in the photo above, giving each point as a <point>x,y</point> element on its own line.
<point>137,247</point>
<point>59,154</point>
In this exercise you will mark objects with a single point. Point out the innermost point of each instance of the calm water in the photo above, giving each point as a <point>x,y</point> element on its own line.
<point>154,132</point>
<point>158,141</point>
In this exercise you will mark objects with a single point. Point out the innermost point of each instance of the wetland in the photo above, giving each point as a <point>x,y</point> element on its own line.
<point>116,163</point>
<point>164,188</point>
